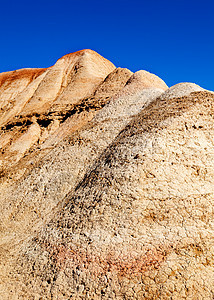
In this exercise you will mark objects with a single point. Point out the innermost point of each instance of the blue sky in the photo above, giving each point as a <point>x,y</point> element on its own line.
<point>173,39</point>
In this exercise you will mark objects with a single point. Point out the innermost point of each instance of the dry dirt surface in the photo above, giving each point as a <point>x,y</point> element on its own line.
<point>106,184</point>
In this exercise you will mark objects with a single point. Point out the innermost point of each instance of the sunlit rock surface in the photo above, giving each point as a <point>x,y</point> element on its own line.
<point>106,184</point>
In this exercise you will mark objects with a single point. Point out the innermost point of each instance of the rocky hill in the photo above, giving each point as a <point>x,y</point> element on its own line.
<point>106,184</point>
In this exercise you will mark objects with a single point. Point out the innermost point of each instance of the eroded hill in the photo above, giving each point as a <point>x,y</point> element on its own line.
<point>106,184</point>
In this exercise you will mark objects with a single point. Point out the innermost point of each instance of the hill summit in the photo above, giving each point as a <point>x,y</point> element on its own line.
<point>106,181</point>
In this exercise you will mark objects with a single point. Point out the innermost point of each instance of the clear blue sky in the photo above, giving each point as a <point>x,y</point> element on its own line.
<point>173,39</point>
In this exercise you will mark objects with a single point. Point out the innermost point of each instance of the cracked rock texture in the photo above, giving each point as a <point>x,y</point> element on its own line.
<point>106,187</point>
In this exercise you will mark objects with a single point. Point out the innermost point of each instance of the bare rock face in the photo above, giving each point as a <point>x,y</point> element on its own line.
<point>107,184</point>
<point>46,99</point>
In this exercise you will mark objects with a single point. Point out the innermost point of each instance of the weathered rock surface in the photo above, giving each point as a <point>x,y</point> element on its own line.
<point>107,184</point>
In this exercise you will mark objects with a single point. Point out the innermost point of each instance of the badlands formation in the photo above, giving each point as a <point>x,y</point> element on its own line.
<point>106,184</point>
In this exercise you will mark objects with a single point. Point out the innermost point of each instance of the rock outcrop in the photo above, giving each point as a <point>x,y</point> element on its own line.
<point>106,184</point>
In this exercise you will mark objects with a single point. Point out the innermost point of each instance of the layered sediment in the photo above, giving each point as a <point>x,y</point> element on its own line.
<point>106,184</point>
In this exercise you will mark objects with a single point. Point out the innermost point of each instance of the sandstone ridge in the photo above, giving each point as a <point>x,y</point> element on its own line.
<point>106,184</point>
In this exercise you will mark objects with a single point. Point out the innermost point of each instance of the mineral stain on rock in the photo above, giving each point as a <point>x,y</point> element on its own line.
<point>123,265</point>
